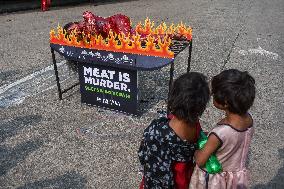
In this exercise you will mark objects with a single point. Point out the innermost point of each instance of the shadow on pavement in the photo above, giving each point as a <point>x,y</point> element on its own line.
<point>8,6</point>
<point>277,181</point>
<point>152,88</point>
<point>10,157</point>
<point>7,75</point>
<point>11,127</point>
<point>69,180</point>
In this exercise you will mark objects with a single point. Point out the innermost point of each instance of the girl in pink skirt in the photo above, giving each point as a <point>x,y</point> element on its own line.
<point>233,92</point>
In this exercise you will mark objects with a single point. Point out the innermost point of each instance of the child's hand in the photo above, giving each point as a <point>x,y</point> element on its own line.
<point>201,156</point>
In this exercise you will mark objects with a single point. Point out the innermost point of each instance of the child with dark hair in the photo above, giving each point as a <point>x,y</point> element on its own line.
<point>168,142</point>
<point>233,92</point>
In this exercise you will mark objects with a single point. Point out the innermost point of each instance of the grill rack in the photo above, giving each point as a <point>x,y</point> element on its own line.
<point>178,46</point>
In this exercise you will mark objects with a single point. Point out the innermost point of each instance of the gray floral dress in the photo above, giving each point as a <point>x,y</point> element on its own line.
<point>159,148</point>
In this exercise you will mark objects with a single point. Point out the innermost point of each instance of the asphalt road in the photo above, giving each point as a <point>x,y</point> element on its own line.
<point>47,143</point>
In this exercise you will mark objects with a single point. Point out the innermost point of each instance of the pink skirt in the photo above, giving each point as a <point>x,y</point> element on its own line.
<point>223,180</point>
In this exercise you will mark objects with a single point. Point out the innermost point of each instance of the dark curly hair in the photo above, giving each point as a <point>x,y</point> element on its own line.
<point>234,88</point>
<point>189,97</point>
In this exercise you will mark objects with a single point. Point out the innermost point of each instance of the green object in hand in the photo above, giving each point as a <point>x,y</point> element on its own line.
<point>212,165</point>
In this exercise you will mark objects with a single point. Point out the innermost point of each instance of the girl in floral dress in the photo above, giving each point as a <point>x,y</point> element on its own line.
<point>233,92</point>
<point>166,142</point>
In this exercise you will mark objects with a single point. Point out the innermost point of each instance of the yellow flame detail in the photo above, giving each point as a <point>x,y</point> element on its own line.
<point>128,43</point>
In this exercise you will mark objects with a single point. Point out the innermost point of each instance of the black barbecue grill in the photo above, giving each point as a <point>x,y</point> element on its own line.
<point>140,62</point>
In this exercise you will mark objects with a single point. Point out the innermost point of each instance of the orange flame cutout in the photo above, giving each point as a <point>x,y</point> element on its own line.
<point>158,46</point>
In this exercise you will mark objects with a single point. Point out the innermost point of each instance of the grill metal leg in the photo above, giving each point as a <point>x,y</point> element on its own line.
<point>56,74</point>
<point>171,82</point>
<point>189,56</point>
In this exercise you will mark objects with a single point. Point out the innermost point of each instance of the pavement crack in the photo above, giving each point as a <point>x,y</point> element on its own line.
<point>230,51</point>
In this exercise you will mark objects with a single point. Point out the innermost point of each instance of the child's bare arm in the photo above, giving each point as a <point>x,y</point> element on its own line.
<point>201,156</point>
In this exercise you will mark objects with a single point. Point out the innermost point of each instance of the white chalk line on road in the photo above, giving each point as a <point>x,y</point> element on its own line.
<point>31,76</point>
<point>260,51</point>
<point>33,84</point>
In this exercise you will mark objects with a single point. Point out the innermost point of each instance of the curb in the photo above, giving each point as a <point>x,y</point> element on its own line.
<point>18,5</point>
